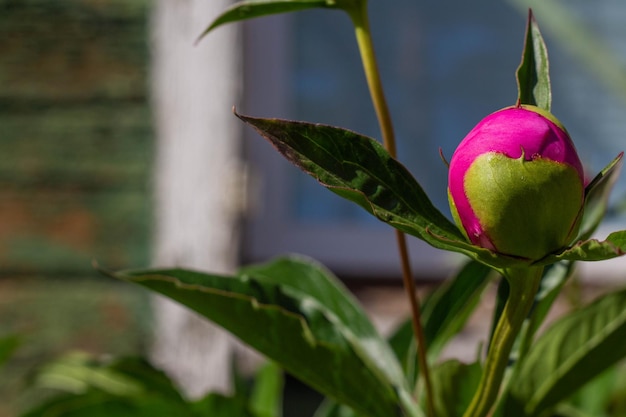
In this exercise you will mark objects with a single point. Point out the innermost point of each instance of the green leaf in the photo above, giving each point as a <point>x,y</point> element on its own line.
<point>359,169</point>
<point>567,410</point>
<point>153,381</point>
<point>267,394</point>
<point>8,345</point>
<point>218,405</point>
<point>574,350</point>
<point>444,313</point>
<point>296,313</point>
<point>597,197</point>
<point>315,282</point>
<point>533,73</point>
<point>122,387</point>
<point>592,250</point>
<point>454,384</point>
<point>99,404</point>
<point>78,373</point>
<point>403,344</point>
<point>330,408</point>
<point>555,276</point>
<point>447,310</point>
<point>594,398</point>
<point>251,9</point>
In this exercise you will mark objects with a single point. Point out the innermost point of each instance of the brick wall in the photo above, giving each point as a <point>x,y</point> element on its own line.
<point>75,135</point>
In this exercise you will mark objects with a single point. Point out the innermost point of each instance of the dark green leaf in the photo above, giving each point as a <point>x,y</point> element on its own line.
<point>152,380</point>
<point>218,405</point>
<point>267,394</point>
<point>450,306</point>
<point>597,197</point>
<point>533,73</point>
<point>554,277</point>
<point>444,313</point>
<point>293,311</point>
<point>594,399</point>
<point>8,345</point>
<point>94,404</point>
<point>256,8</point>
<point>571,352</point>
<point>101,404</point>
<point>250,9</point>
<point>454,384</point>
<point>359,169</point>
<point>122,387</point>
<point>307,279</point>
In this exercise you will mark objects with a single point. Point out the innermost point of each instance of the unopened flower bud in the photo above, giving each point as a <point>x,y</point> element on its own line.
<point>516,184</point>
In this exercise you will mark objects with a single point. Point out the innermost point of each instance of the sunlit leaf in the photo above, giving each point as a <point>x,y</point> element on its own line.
<point>454,384</point>
<point>298,314</point>
<point>267,393</point>
<point>570,353</point>
<point>330,408</point>
<point>92,388</point>
<point>450,306</point>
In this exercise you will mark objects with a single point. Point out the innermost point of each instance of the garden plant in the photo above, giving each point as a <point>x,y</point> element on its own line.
<point>524,213</point>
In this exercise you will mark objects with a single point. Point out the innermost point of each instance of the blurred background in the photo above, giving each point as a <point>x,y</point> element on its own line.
<point>117,144</point>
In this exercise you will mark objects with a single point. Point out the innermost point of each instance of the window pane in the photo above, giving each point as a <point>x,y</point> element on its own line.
<point>444,66</point>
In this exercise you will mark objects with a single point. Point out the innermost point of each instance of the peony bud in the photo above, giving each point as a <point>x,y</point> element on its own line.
<point>516,184</point>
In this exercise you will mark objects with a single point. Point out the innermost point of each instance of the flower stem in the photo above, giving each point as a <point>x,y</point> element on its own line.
<point>370,66</point>
<point>523,283</point>
<point>366,48</point>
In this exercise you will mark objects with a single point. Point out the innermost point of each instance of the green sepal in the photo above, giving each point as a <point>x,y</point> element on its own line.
<point>571,352</point>
<point>527,208</point>
<point>597,197</point>
<point>596,202</point>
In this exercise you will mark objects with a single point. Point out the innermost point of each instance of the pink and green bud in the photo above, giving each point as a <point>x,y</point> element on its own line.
<point>516,184</point>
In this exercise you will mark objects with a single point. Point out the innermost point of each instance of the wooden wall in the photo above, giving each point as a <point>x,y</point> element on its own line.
<point>75,135</point>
